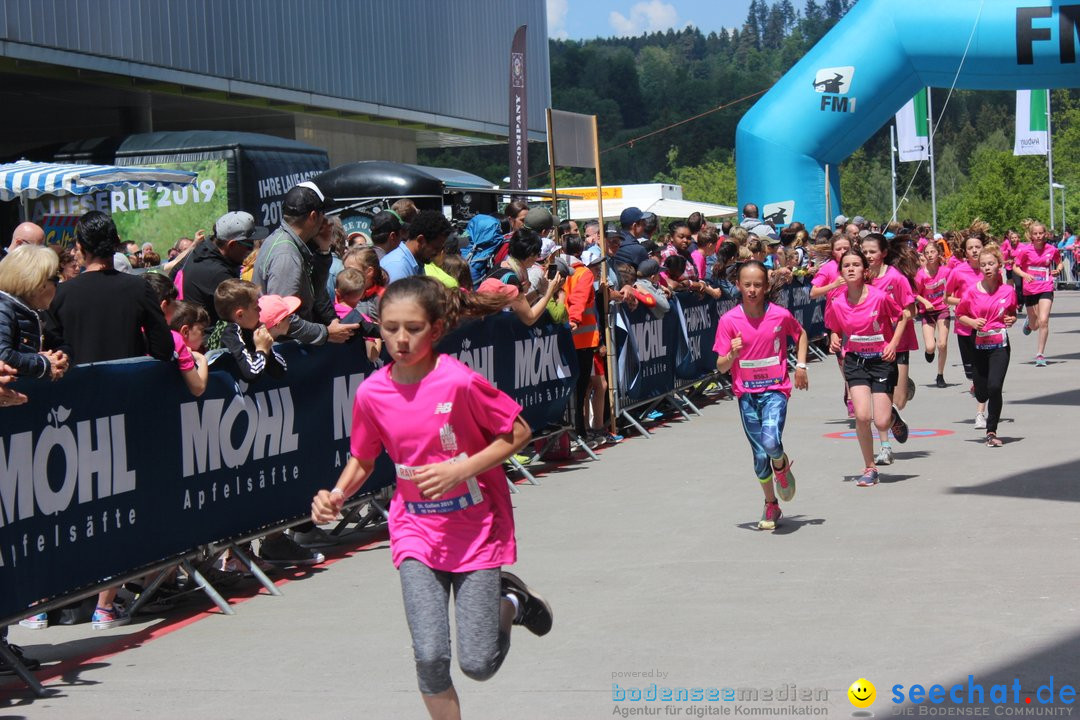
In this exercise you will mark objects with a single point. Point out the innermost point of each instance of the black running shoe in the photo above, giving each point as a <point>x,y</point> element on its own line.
<point>929,356</point>
<point>535,613</point>
<point>899,427</point>
<point>941,381</point>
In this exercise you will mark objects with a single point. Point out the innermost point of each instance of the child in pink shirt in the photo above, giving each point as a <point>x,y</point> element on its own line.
<point>447,430</point>
<point>960,279</point>
<point>988,308</point>
<point>827,282</point>
<point>752,342</point>
<point>1037,262</point>
<point>930,283</point>
<point>861,322</point>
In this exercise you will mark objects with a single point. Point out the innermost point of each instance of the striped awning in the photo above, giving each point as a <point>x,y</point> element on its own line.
<point>25,179</point>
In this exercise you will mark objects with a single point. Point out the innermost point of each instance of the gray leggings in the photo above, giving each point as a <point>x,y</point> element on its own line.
<point>482,646</point>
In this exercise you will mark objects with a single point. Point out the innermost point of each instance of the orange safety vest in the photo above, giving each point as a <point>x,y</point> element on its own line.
<point>587,334</point>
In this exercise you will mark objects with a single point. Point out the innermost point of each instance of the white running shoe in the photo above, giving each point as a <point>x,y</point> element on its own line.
<point>980,421</point>
<point>884,456</point>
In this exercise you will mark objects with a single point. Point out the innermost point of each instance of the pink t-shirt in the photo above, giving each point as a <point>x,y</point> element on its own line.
<point>699,262</point>
<point>1007,252</point>
<point>896,284</point>
<point>342,309</point>
<point>762,362</point>
<point>451,412</point>
<point>977,303</point>
<point>960,278</point>
<point>921,245</point>
<point>867,327</point>
<point>1039,265</point>
<point>826,274</point>
<point>932,287</point>
<point>954,261</point>
<point>181,352</point>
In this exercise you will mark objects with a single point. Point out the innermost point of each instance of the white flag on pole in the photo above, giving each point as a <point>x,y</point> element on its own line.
<point>912,129</point>
<point>1030,123</point>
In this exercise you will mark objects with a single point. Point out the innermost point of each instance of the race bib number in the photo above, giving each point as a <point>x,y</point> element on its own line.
<point>1039,274</point>
<point>470,494</point>
<point>762,373</point>
<point>867,346</point>
<point>991,339</point>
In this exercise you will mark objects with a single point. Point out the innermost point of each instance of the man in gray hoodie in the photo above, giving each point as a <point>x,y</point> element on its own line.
<point>290,263</point>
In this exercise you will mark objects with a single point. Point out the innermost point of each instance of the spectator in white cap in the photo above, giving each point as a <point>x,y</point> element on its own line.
<point>212,263</point>
<point>840,222</point>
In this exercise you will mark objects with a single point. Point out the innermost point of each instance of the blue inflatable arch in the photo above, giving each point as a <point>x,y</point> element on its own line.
<point>871,63</point>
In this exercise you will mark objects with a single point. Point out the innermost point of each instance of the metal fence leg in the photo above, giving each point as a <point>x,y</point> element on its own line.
<point>382,511</point>
<point>148,591</point>
<point>583,445</point>
<point>670,399</point>
<point>255,570</point>
<point>25,675</point>
<point>521,469</point>
<point>817,352</point>
<point>685,399</point>
<point>207,588</point>
<point>633,421</point>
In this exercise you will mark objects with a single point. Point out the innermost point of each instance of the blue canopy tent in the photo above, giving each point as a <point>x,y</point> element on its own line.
<point>24,180</point>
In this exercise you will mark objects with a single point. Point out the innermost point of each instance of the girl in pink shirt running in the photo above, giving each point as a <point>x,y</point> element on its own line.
<point>752,342</point>
<point>1037,264</point>
<point>961,278</point>
<point>930,284</point>
<point>989,308</point>
<point>861,323</point>
<point>885,259</point>
<point>448,431</point>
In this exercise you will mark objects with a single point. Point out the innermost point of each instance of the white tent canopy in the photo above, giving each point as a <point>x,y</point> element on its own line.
<point>25,179</point>
<point>659,198</point>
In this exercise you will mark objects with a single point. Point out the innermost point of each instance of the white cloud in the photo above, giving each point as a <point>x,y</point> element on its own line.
<point>644,17</point>
<point>556,18</point>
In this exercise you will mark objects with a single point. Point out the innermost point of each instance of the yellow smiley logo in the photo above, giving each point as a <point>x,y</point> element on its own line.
<point>862,693</point>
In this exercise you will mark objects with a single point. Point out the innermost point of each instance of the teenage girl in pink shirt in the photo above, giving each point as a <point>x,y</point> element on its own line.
<point>892,269</point>
<point>861,320</point>
<point>960,279</point>
<point>989,308</point>
<point>752,342</point>
<point>826,283</point>
<point>1038,263</point>
<point>930,283</point>
<point>448,432</point>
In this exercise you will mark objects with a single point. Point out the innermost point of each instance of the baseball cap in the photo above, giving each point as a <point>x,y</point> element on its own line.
<point>630,215</point>
<point>611,229</point>
<point>591,255</point>
<point>275,308</point>
<point>539,219</point>
<point>303,199</point>
<point>859,220</point>
<point>385,222</point>
<point>547,246</point>
<point>238,225</point>
<point>763,231</point>
<point>498,287</point>
<point>840,220</point>
<point>648,267</point>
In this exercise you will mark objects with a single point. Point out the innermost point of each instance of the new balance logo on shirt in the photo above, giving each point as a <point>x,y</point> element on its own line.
<point>444,408</point>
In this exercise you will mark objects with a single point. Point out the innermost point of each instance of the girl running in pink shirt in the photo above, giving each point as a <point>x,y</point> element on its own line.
<point>885,274</point>
<point>930,283</point>
<point>826,283</point>
<point>752,342</point>
<point>960,279</point>
<point>1037,264</point>
<point>447,431</point>
<point>989,308</point>
<point>861,322</point>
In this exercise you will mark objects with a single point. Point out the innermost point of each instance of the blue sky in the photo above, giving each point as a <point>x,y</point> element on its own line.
<point>584,19</point>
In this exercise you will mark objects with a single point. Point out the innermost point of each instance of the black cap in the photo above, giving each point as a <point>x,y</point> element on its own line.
<point>611,229</point>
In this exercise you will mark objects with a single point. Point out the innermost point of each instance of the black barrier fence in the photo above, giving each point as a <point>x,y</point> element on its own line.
<point>116,467</point>
<point>655,357</point>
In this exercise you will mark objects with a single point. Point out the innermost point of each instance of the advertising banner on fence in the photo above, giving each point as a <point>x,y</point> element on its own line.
<point>117,466</point>
<point>536,366</point>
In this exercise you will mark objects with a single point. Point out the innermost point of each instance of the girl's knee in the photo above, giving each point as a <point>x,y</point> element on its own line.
<point>483,667</point>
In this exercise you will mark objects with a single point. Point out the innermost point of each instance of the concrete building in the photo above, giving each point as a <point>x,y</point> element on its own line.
<point>364,79</point>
